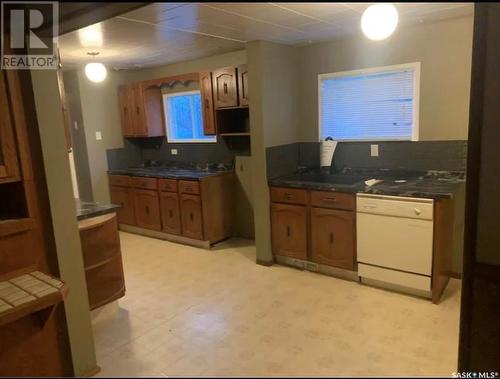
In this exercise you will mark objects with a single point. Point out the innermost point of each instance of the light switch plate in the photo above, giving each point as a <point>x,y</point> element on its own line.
<point>173,151</point>
<point>98,136</point>
<point>374,150</point>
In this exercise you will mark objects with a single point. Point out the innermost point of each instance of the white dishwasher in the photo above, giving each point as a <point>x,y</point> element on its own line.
<point>394,242</point>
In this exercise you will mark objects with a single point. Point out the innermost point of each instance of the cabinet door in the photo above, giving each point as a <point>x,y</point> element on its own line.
<point>332,237</point>
<point>147,209</point>
<point>170,215</point>
<point>289,230</point>
<point>243,84</point>
<point>191,216</point>
<point>136,106</point>
<point>125,198</point>
<point>224,87</point>
<point>9,166</point>
<point>125,103</point>
<point>207,102</point>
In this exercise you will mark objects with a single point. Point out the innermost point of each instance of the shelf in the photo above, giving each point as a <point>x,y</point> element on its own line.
<point>242,134</point>
<point>33,293</point>
<point>15,226</point>
<point>236,107</point>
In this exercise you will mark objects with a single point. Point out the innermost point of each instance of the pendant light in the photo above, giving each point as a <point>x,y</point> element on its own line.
<point>379,21</point>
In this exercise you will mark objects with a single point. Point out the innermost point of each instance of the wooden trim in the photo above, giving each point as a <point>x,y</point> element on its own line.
<point>11,227</point>
<point>442,247</point>
<point>165,236</point>
<point>95,222</point>
<point>184,79</point>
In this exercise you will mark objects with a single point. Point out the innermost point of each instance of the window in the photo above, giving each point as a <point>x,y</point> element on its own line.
<point>379,104</point>
<point>183,117</point>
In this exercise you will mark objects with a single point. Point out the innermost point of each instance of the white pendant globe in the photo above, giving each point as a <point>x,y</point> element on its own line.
<point>95,72</point>
<point>379,21</point>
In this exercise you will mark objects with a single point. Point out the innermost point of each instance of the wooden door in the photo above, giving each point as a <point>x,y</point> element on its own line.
<point>332,237</point>
<point>9,167</point>
<point>225,88</point>
<point>136,105</point>
<point>170,214</point>
<point>289,230</point>
<point>147,209</point>
<point>125,103</point>
<point>243,84</point>
<point>125,198</point>
<point>207,102</point>
<point>191,216</point>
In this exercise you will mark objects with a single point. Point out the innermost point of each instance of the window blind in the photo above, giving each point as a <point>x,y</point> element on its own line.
<point>372,106</point>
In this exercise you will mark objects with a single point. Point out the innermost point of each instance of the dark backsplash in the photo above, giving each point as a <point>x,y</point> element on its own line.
<point>422,155</point>
<point>139,150</point>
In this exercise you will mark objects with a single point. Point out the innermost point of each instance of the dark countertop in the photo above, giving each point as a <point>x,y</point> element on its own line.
<point>86,210</point>
<point>167,173</point>
<point>431,184</point>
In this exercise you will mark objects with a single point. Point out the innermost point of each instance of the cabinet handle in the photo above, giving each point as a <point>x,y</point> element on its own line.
<point>225,88</point>
<point>330,199</point>
<point>170,213</point>
<point>137,110</point>
<point>147,210</point>
<point>332,238</point>
<point>125,111</point>
<point>191,216</point>
<point>287,196</point>
<point>206,103</point>
<point>288,231</point>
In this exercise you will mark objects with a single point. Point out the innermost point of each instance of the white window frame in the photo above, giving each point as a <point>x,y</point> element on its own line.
<point>416,97</point>
<point>175,140</point>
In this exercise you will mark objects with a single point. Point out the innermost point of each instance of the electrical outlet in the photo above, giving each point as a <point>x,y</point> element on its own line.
<point>98,136</point>
<point>374,150</point>
<point>173,151</point>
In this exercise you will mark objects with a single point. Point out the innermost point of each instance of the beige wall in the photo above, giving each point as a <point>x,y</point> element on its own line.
<point>273,95</point>
<point>63,212</point>
<point>444,50</point>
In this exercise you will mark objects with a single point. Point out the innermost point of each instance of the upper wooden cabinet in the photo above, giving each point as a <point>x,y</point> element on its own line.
<point>225,87</point>
<point>141,110</point>
<point>243,84</point>
<point>9,165</point>
<point>207,101</point>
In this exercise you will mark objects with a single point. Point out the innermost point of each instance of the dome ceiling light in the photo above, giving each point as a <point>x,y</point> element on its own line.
<point>96,72</point>
<point>379,21</point>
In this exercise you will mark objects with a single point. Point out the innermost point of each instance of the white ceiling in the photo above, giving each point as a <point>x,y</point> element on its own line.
<point>162,33</point>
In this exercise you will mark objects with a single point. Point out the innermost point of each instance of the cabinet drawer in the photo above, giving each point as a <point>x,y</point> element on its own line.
<point>288,195</point>
<point>333,200</point>
<point>145,183</point>
<point>120,180</point>
<point>167,185</point>
<point>189,186</point>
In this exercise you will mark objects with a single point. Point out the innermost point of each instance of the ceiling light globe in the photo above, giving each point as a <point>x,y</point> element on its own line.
<point>379,21</point>
<point>95,72</point>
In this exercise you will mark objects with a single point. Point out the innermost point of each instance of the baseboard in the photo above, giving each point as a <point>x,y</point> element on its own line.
<point>334,272</point>
<point>96,370</point>
<point>165,236</point>
<point>264,263</point>
<point>455,275</point>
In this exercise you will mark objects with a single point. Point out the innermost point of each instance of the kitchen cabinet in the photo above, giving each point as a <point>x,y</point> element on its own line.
<point>207,102</point>
<point>317,226</point>
<point>124,197</point>
<point>242,84</point>
<point>332,237</point>
<point>224,83</point>
<point>289,230</point>
<point>9,166</point>
<point>191,216</point>
<point>170,213</point>
<point>141,110</point>
<point>147,209</point>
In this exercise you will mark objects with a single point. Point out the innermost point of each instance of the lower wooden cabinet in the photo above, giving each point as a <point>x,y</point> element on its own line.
<point>124,197</point>
<point>289,230</point>
<point>147,209</point>
<point>170,214</point>
<point>332,237</point>
<point>191,216</point>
